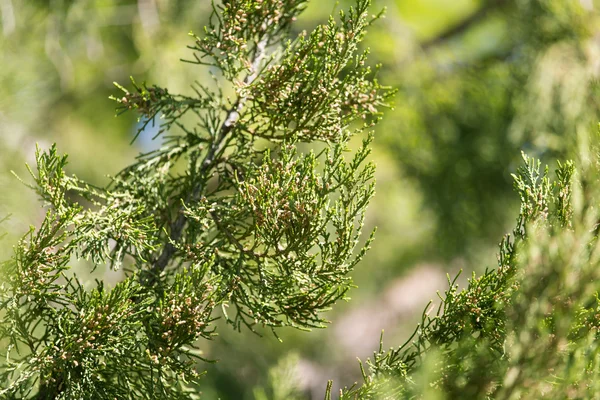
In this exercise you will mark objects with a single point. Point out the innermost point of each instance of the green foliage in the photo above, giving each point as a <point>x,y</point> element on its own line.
<point>228,212</point>
<point>233,212</point>
<point>526,329</point>
<point>281,377</point>
<point>476,91</point>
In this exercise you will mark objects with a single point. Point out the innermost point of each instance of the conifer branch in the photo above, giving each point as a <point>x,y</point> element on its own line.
<point>216,146</point>
<point>472,327</point>
<point>274,238</point>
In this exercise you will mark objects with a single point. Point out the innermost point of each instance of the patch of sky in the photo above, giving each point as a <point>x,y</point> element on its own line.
<point>147,138</point>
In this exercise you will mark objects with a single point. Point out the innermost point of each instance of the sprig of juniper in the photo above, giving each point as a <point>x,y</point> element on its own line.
<point>471,324</point>
<point>252,222</point>
<point>223,171</point>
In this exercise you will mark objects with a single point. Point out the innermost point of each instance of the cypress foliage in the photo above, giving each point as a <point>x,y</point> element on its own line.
<point>228,214</point>
<point>527,329</point>
<point>232,217</point>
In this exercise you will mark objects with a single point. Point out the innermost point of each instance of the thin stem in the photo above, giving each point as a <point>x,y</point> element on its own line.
<point>217,146</point>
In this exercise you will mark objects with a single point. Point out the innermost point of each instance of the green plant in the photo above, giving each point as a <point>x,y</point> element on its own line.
<point>527,329</point>
<point>229,212</point>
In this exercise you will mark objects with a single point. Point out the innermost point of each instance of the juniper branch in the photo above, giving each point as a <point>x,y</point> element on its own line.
<point>474,324</point>
<point>232,116</point>
<point>274,236</point>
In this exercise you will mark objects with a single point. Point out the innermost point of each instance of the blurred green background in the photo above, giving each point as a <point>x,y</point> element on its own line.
<point>478,82</point>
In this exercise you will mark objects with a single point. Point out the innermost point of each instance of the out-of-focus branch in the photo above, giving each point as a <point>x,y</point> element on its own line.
<point>465,24</point>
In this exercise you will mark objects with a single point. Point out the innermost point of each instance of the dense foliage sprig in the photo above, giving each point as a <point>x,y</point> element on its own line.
<point>229,212</point>
<point>526,329</point>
